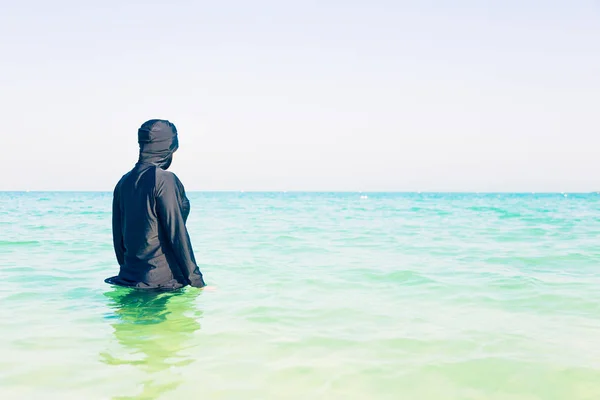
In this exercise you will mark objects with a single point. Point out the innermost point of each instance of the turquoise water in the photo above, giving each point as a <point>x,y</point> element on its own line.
<point>318,296</point>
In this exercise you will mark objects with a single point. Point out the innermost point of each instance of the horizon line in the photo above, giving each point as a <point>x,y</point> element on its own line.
<point>321,191</point>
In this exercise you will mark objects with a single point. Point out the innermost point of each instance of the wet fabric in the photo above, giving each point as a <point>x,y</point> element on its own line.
<point>150,210</point>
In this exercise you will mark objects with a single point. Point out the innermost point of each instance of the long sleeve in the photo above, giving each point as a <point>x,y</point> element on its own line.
<point>172,209</point>
<point>117,228</point>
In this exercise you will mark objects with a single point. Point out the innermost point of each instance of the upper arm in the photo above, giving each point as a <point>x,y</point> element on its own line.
<point>116,203</point>
<point>117,225</point>
<point>170,200</point>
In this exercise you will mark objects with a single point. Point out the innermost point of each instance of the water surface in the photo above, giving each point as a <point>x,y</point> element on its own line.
<point>320,296</point>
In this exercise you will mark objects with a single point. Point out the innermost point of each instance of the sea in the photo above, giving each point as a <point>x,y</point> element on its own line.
<point>441,296</point>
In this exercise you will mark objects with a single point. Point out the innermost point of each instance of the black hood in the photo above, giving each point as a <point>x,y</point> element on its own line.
<point>158,141</point>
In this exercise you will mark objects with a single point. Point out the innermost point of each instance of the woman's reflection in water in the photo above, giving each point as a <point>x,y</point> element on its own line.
<point>157,329</point>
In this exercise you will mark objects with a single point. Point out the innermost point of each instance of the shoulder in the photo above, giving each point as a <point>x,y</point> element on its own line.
<point>166,176</point>
<point>120,183</point>
<point>167,180</point>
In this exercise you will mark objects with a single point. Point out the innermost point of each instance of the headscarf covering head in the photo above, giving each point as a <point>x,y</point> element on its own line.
<point>158,141</point>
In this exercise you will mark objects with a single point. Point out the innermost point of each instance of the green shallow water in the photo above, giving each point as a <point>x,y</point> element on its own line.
<point>318,296</point>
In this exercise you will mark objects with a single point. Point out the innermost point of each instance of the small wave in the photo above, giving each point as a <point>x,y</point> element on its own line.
<point>405,277</point>
<point>19,243</point>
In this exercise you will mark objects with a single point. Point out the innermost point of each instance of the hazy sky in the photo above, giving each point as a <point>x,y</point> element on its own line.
<point>305,95</point>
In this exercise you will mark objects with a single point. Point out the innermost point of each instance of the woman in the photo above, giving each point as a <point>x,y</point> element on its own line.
<point>150,209</point>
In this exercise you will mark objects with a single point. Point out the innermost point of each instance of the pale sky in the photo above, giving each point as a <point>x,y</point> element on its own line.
<point>306,95</point>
